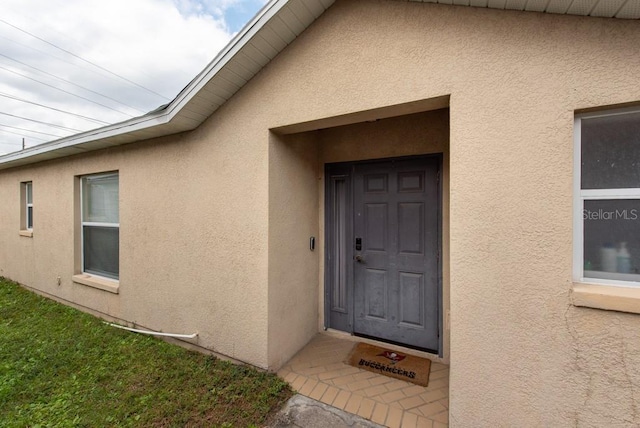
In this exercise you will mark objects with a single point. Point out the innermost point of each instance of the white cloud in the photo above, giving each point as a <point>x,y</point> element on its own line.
<point>159,44</point>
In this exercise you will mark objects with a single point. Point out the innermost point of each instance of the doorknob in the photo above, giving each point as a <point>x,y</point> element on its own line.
<point>359,259</point>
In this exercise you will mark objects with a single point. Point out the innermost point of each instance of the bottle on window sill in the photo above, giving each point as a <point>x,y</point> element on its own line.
<point>623,259</point>
<point>609,258</point>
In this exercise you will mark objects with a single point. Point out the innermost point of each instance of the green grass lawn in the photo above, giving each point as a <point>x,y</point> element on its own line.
<point>63,368</point>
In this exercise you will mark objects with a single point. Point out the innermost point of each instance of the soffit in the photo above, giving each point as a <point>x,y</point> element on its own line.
<point>624,9</point>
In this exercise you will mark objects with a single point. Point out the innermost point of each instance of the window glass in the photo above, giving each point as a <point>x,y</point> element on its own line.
<point>612,236</point>
<point>608,198</point>
<point>100,225</point>
<point>101,251</point>
<point>26,213</point>
<point>100,199</point>
<point>29,191</point>
<point>611,151</point>
<point>29,217</point>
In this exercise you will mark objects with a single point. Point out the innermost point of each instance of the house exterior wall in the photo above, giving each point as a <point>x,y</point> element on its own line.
<point>206,239</point>
<point>293,267</point>
<point>179,215</point>
<point>520,353</point>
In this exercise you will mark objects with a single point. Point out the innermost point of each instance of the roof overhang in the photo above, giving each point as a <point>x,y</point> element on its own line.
<point>277,24</point>
<point>624,9</point>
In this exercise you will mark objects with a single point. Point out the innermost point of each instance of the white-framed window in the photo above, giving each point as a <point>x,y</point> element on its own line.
<point>27,188</point>
<point>607,197</point>
<point>100,225</point>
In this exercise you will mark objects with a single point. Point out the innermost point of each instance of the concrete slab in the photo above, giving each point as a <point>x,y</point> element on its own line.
<point>304,412</point>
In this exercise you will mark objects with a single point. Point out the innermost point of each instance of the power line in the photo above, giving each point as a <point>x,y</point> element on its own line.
<point>29,130</point>
<point>43,123</point>
<point>53,108</point>
<point>78,44</point>
<point>49,54</point>
<point>70,82</point>
<point>85,60</point>
<point>66,92</point>
<point>22,135</point>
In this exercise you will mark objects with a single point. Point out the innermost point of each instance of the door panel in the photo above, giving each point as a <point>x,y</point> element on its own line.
<point>411,228</point>
<point>411,312</point>
<point>339,249</point>
<point>376,219</point>
<point>376,303</point>
<point>396,273</point>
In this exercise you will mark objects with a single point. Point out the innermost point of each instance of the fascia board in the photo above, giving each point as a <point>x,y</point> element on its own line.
<point>99,134</point>
<point>226,55</point>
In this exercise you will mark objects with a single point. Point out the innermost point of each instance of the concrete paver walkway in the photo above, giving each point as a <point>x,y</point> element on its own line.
<point>318,371</point>
<point>304,412</point>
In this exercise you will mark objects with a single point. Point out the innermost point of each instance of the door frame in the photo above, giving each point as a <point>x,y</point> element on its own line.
<point>342,319</point>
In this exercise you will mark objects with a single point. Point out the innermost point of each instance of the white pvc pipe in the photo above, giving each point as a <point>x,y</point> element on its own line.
<point>154,333</point>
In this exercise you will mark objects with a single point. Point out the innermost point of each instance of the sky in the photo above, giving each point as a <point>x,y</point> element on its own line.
<point>72,65</point>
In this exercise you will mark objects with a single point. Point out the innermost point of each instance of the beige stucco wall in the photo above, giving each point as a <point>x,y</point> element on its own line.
<point>179,215</point>
<point>206,236</point>
<point>293,267</point>
<point>521,355</point>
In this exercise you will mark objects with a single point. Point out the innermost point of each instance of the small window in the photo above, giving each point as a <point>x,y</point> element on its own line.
<point>100,225</point>
<point>26,214</point>
<point>607,198</point>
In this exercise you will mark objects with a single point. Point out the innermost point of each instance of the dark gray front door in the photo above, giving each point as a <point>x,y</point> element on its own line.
<point>396,224</point>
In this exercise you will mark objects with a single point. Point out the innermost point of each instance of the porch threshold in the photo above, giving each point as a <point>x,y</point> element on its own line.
<point>410,351</point>
<point>319,372</point>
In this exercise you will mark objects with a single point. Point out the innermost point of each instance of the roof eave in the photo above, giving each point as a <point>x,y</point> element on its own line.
<point>95,139</point>
<point>210,89</point>
<point>159,123</point>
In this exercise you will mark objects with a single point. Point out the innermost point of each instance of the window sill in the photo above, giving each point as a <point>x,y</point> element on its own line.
<point>26,233</point>
<point>611,276</point>
<point>607,297</point>
<point>110,285</point>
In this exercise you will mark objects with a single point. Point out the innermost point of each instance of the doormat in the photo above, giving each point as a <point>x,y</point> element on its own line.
<point>390,363</point>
